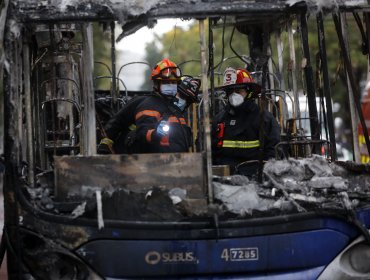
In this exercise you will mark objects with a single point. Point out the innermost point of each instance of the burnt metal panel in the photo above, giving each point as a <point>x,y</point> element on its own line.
<point>124,11</point>
<point>78,176</point>
<point>133,15</point>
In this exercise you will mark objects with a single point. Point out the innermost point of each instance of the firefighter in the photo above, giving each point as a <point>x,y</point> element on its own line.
<point>236,128</point>
<point>156,121</point>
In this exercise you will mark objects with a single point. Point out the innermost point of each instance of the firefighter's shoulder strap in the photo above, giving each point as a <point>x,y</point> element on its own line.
<point>124,118</point>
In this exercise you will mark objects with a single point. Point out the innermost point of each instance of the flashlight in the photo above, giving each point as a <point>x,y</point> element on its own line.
<point>163,128</point>
<point>166,128</point>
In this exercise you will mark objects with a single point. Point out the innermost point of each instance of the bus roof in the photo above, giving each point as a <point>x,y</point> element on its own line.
<point>143,11</point>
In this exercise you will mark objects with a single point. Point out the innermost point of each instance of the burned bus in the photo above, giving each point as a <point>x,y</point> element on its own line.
<point>71,213</point>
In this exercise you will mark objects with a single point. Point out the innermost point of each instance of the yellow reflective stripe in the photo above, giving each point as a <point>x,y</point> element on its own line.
<point>361,139</point>
<point>365,159</point>
<point>106,141</point>
<point>240,144</point>
<point>132,127</point>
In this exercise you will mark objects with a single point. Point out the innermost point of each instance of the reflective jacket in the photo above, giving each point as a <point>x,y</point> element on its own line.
<point>235,137</point>
<point>122,125</point>
<point>143,120</point>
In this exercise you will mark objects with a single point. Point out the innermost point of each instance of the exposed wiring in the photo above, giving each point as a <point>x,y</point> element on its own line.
<point>187,61</point>
<point>173,38</point>
<point>104,64</point>
<point>231,47</point>
<point>282,188</point>
<point>283,95</point>
<point>111,77</point>
<point>223,45</point>
<point>269,73</point>
<point>133,62</point>
<point>39,58</point>
<point>272,102</point>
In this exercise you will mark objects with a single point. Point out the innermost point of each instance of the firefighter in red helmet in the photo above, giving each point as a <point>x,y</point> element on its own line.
<point>157,120</point>
<point>236,128</point>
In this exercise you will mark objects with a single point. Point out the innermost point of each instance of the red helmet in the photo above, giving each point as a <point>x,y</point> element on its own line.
<point>243,76</point>
<point>166,70</point>
<point>240,79</point>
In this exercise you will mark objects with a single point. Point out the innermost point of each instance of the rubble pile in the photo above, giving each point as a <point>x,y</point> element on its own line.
<point>289,186</point>
<point>294,185</point>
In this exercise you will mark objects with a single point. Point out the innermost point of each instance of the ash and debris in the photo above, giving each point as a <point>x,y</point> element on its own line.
<point>136,7</point>
<point>327,4</point>
<point>295,186</point>
<point>289,186</point>
<point>315,7</point>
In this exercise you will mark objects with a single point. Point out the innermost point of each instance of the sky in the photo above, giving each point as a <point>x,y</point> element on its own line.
<point>132,49</point>
<point>137,40</point>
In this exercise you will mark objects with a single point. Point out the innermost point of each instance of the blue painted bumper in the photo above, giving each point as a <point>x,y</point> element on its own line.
<point>306,274</point>
<point>282,252</point>
<point>270,256</point>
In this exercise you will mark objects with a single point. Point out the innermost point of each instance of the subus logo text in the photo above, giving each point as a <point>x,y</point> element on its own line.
<point>154,257</point>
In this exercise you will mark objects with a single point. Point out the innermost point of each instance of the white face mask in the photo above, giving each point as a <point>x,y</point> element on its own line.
<point>168,89</point>
<point>181,103</point>
<point>235,99</point>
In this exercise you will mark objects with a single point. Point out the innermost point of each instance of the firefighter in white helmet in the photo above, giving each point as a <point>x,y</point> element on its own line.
<point>236,129</point>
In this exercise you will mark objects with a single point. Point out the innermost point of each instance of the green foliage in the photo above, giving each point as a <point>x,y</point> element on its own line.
<point>153,55</point>
<point>183,47</point>
<point>102,55</point>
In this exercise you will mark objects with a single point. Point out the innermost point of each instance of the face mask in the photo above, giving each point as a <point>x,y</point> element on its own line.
<point>181,103</point>
<point>235,99</point>
<point>168,89</point>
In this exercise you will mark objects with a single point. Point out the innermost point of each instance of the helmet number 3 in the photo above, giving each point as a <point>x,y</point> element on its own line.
<point>229,76</point>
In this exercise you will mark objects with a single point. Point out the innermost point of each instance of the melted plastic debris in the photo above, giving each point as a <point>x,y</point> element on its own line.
<point>63,5</point>
<point>177,195</point>
<point>79,210</point>
<point>132,7</point>
<point>242,199</point>
<point>326,4</point>
<point>290,186</point>
<point>122,9</point>
<point>136,7</point>
<point>295,186</point>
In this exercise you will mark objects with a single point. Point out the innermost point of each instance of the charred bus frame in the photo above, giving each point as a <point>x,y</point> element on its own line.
<point>67,245</point>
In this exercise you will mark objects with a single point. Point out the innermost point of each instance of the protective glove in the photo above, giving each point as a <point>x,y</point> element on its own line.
<point>162,129</point>
<point>188,89</point>
<point>105,146</point>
